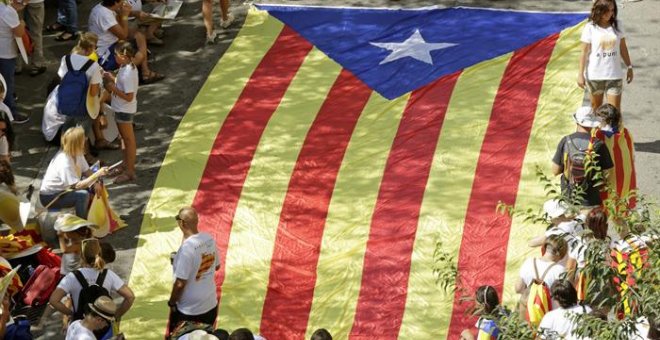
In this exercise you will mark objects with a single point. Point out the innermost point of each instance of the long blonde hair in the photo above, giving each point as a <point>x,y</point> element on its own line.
<point>73,142</point>
<point>86,44</point>
<point>91,253</point>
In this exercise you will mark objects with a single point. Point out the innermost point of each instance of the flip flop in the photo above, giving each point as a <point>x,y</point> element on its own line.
<point>124,178</point>
<point>66,36</point>
<point>151,78</point>
<point>56,27</point>
<point>105,145</point>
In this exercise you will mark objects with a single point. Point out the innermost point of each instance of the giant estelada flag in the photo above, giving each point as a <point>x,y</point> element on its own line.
<point>331,151</point>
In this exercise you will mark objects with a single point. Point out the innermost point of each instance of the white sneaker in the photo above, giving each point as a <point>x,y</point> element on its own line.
<point>228,22</point>
<point>210,39</point>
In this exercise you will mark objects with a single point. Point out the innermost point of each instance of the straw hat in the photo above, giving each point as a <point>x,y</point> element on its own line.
<point>104,307</point>
<point>93,103</point>
<point>70,222</point>
<point>201,335</point>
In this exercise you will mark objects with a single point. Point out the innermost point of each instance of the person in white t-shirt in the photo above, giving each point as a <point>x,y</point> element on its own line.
<point>194,296</point>
<point>603,49</point>
<point>563,225</point>
<point>109,20</point>
<point>547,267</point>
<point>100,315</point>
<point>123,89</point>
<point>558,323</point>
<point>53,121</point>
<point>10,28</point>
<point>63,185</point>
<point>92,266</point>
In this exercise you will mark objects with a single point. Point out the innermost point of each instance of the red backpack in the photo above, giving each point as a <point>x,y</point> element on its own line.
<point>41,284</point>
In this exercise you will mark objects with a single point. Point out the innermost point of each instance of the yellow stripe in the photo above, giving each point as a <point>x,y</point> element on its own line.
<point>349,217</point>
<point>442,215</point>
<point>559,98</point>
<point>181,170</point>
<point>612,177</point>
<point>258,211</point>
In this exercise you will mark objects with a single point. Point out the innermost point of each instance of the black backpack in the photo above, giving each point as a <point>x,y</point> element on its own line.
<point>575,162</point>
<point>89,293</point>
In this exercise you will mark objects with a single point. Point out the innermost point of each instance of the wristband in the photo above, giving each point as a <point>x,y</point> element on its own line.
<point>124,17</point>
<point>630,67</point>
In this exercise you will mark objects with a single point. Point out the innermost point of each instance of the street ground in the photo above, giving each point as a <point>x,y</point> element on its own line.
<point>186,62</point>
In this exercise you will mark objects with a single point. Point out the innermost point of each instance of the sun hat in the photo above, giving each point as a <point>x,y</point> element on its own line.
<point>200,335</point>
<point>104,307</point>
<point>554,208</point>
<point>70,222</point>
<point>585,116</point>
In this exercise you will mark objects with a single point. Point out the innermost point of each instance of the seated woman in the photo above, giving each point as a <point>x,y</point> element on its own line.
<point>109,20</point>
<point>63,185</point>
<point>489,311</point>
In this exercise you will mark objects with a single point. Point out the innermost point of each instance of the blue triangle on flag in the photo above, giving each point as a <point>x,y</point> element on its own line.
<point>397,51</point>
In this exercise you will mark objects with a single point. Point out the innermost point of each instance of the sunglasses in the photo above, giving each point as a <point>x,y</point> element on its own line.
<point>178,218</point>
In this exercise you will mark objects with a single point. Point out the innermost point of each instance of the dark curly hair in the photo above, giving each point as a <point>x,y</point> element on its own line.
<point>564,293</point>
<point>601,7</point>
<point>6,175</point>
<point>9,130</point>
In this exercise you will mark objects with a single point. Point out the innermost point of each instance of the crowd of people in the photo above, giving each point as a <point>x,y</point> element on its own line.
<point>552,286</point>
<point>108,64</point>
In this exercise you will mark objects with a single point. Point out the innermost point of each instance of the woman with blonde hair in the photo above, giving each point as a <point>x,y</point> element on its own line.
<point>92,272</point>
<point>64,184</point>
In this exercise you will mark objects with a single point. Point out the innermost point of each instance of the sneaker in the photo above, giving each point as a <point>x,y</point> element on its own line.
<point>20,118</point>
<point>211,38</point>
<point>228,22</point>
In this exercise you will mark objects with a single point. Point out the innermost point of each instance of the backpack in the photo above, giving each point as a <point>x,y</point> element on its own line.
<point>72,93</point>
<point>89,293</point>
<point>574,162</point>
<point>41,284</point>
<point>629,263</point>
<point>19,330</point>
<point>536,302</point>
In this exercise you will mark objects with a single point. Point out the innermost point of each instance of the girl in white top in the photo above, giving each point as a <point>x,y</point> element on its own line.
<point>123,89</point>
<point>65,173</point>
<point>553,251</point>
<point>92,264</point>
<point>603,49</point>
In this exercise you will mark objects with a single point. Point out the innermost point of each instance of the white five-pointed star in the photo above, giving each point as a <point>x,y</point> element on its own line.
<point>414,47</point>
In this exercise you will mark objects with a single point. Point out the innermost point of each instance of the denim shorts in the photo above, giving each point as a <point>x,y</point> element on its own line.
<point>612,87</point>
<point>123,117</point>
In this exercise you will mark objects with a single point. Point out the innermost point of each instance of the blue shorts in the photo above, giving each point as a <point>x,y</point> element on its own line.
<point>107,60</point>
<point>123,117</point>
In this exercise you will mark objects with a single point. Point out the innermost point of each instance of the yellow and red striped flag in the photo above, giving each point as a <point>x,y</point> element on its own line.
<point>328,177</point>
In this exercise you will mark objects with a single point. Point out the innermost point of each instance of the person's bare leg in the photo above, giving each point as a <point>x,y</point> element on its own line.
<point>141,56</point>
<point>207,13</point>
<point>614,100</point>
<point>130,148</point>
<point>596,101</point>
<point>224,9</point>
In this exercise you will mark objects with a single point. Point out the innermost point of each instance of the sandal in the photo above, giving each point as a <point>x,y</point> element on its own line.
<point>124,178</point>
<point>66,36</point>
<point>105,145</point>
<point>155,41</point>
<point>151,78</point>
<point>115,172</point>
<point>56,27</point>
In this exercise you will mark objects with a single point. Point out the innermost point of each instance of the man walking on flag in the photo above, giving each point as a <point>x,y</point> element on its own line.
<point>571,160</point>
<point>193,295</point>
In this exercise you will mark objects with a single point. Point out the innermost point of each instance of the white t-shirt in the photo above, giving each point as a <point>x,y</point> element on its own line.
<point>605,55</point>
<point>52,118</point>
<point>62,173</point>
<point>94,75</point>
<point>527,273</point>
<point>578,252</point>
<point>558,325</point>
<point>136,5</point>
<point>101,19</point>
<point>4,146</point>
<point>195,262</point>
<point>8,21</point>
<point>72,287</point>
<point>77,331</point>
<point>127,82</point>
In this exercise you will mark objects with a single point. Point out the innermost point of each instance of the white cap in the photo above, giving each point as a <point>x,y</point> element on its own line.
<point>584,116</point>
<point>554,208</point>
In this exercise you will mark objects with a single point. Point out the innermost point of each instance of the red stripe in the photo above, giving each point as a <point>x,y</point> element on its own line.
<point>386,267</point>
<point>482,256</point>
<point>234,147</point>
<point>302,220</point>
<point>633,174</point>
<point>618,163</point>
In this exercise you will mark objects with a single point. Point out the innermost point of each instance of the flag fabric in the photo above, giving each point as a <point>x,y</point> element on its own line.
<point>330,151</point>
<point>622,178</point>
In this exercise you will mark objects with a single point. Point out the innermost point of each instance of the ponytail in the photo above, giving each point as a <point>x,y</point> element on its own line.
<point>91,253</point>
<point>99,264</point>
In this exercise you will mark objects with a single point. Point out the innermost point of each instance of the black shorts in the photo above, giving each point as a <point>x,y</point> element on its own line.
<point>207,318</point>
